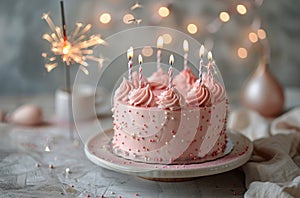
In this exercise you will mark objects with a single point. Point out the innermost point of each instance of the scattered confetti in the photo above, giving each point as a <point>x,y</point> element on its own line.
<point>68,170</point>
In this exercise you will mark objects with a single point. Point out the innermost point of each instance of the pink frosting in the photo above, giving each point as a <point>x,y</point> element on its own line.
<point>217,90</point>
<point>159,79</point>
<point>199,96</point>
<point>169,99</point>
<point>181,85</point>
<point>135,80</point>
<point>184,81</point>
<point>189,76</point>
<point>141,97</point>
<point>122,92</point>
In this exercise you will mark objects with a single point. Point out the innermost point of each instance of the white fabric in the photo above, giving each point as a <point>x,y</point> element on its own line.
<point>273,170</point>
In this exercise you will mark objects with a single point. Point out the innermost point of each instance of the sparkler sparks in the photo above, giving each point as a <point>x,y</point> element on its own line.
<point>135,21</point>
<point>76,49</point>
<point>135,6</point>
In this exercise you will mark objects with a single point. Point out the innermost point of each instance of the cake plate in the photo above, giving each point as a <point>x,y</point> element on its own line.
<point>98,150</point>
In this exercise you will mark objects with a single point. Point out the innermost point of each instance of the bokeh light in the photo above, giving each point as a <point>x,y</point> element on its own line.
<point>242,53</point>
<point>253,37</point>
<point>261,34</point>
<point>163,11</point>
<point>192,28</point>
<point>147,51</point>
<point>105,18</point>
<point>167,38</point>
<point>127,18</point>
<point>224,17</point>
<point>241,9</point>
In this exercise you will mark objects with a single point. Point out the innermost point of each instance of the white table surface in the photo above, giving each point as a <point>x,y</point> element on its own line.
<point>21,148</point>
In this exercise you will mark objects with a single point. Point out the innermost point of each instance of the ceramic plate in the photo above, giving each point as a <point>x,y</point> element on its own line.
<point>98,150</point>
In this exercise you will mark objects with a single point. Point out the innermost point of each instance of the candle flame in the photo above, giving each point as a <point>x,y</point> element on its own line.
<point>171,60</point>
<point>185,46</point>
<point>140,59</point>
<point>160,42</point>
<point>209,56</point>
<point>201,51</point>
<point>74,50</point>
<point>130,53</point>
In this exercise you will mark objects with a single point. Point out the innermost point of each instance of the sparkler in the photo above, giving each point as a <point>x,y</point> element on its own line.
<point>73,48</point>
<point>69,49</point>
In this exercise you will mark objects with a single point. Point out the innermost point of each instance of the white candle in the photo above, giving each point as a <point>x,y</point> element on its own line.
<point>210,58</point>
<point>140,59</point>
<point>159,44</point>
<point>201,53</point>
<point>185,49</point>
<point>129,57</point>
<point>171,61</point>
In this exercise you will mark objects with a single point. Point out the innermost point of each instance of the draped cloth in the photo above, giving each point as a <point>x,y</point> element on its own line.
<point>273,170</point>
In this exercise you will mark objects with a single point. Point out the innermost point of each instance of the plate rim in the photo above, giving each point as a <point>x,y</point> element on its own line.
<point>174,173</point>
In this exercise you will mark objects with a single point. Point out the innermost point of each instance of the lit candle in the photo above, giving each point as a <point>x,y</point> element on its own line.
<point>201,53</point>
<point>140,59</point>
<point>160,42</point>
<point>129,56</point>
<point>171,61</point>
<point>185,49</point>
<point>210,58</point>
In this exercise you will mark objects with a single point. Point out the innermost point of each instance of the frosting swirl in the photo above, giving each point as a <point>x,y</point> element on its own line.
<point>136,81</point>
<point>189,76</point>
<point>141,97</point>
<point>217,90</point>
<point>169,99</point>
<point>181,85</point>
<point>199,96</point>
<point>122,92</point>
<point>159,79</point>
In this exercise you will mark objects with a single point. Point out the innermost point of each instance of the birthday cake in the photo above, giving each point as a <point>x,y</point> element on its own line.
<point>170,121</point>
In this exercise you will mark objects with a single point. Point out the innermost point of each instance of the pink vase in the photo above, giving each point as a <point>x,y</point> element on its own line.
<point>263,93</point>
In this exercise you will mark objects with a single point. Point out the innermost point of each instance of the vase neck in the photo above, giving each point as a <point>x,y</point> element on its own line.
<point>262,67</point>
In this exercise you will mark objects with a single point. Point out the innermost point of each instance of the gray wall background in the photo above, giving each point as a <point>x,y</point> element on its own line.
<point>22,67</point>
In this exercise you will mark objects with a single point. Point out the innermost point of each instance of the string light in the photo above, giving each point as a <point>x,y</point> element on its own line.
<point>192,28</point>
<point>253,37</point>
<point>105,18</point>
<point>261,34</point>
<point>163,11</point>
<point>241,9</point>
<point>167,38</point>
<point>224,17</point>
<point>242,53</point>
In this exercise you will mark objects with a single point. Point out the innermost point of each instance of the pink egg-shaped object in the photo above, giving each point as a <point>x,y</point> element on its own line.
<point>28,115</point>
<point>2,116</point>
